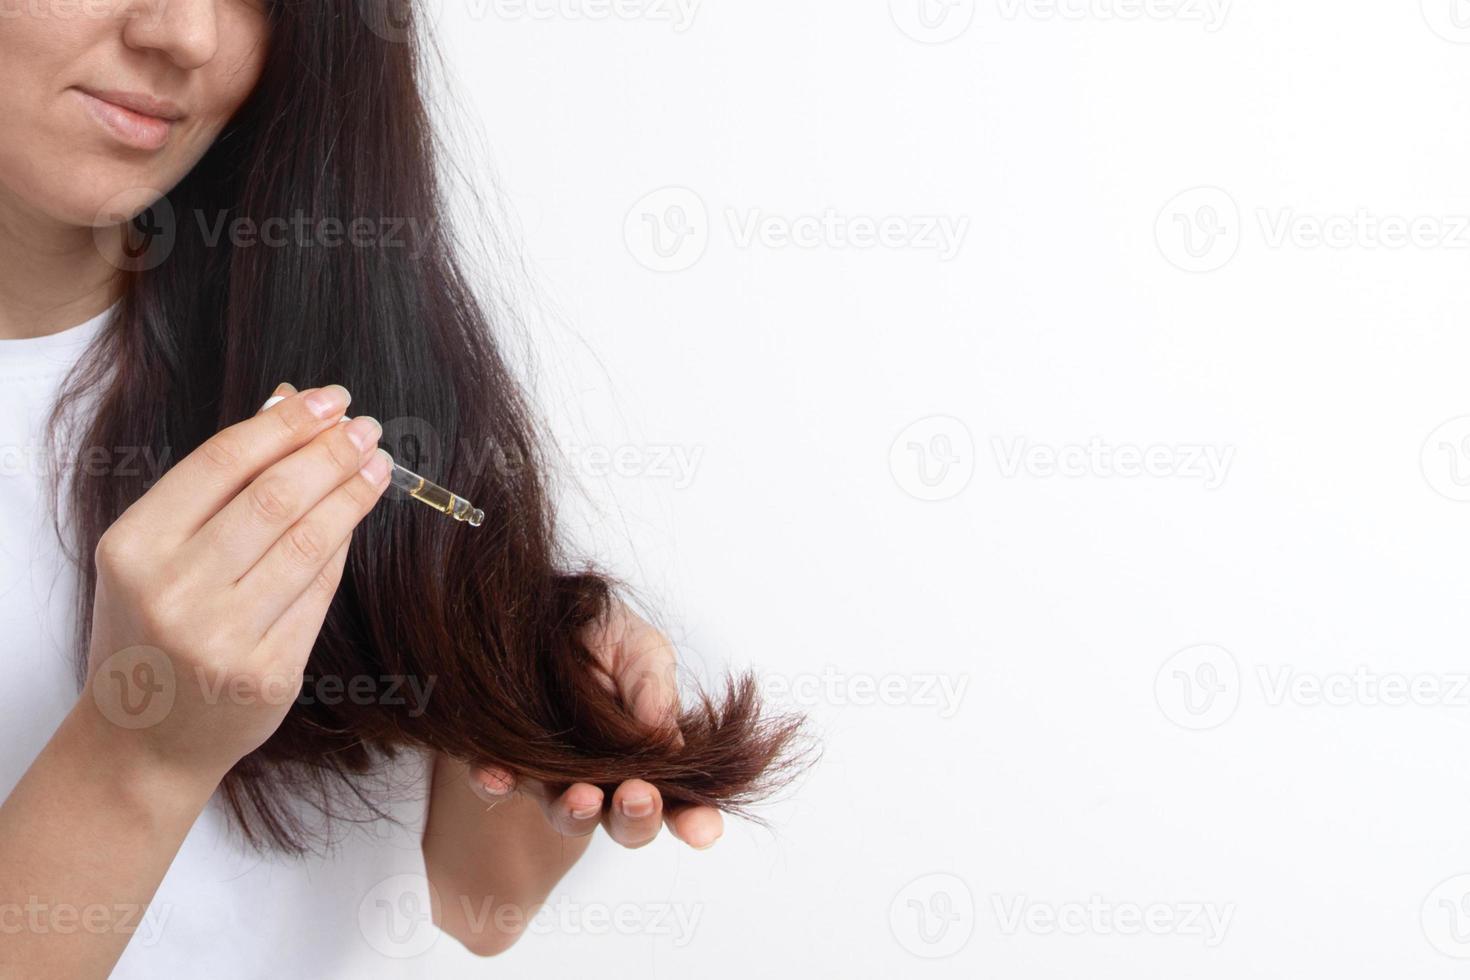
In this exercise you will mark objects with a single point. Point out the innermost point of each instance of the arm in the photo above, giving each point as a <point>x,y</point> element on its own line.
<point>491,865</point>
<point>68,910</point>
<point>221,574</point>
<point>493,854</point>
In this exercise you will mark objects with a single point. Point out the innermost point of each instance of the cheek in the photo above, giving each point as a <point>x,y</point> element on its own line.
<point>236,69</point>
<point>36,43</point>
<point>223,85</point>
<point>39,51</point>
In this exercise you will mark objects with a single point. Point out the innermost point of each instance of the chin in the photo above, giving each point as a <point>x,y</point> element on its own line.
<point>97,196</point>
<point>125,204</point>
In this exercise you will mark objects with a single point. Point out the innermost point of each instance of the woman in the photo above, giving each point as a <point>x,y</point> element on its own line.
<point>203,203</point>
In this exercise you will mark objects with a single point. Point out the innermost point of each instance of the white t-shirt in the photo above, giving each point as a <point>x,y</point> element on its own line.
<point>222,911</point>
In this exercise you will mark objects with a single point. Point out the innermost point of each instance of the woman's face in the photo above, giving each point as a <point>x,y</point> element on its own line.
<point>109,103</point>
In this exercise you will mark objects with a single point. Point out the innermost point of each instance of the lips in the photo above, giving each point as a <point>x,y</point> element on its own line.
<point>136,120</point>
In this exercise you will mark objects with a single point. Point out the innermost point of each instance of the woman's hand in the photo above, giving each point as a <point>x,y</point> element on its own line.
<point>212,587</point>
<point>643,665</point>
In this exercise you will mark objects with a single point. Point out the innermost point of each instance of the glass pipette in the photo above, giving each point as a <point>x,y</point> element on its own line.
<point>422,489</point>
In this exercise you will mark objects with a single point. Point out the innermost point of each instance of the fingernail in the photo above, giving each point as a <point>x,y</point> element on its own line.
<point>375,470</point>
<point>707,844</point>
<point>637,806</point>
<point>283,391</point>
<point>496,787</point>
<point>364,432</point>
<point>587,812</point>
<point>328,401</point>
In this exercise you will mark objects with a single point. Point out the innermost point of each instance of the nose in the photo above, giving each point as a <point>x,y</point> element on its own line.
<point>186,31</point>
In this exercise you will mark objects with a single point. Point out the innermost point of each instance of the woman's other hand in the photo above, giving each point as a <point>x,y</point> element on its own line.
<point>643,665</point>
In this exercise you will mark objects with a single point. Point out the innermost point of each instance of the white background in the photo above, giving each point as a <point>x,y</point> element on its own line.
<point>1299,771</point>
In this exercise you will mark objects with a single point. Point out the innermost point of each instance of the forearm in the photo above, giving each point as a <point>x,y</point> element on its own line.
<point>85,839</point>
<point>491,868</point>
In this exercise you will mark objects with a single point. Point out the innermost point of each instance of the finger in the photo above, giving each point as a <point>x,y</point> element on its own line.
<point>576,812</point>
<point>697,826</point>
<point>302,621</point>
<point>642,663</point>
<point>295,561</point>
<point>634,818</point>
<point>247,527</point>
<point>283,391</point>
<point>194,490</point>
<point>652,690</point>
<point>491,784</point>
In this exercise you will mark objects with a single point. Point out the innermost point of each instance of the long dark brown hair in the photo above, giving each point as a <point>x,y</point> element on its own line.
<point>338,129</point>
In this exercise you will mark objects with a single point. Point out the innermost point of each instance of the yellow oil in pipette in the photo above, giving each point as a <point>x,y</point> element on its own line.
<point>427,492</point>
